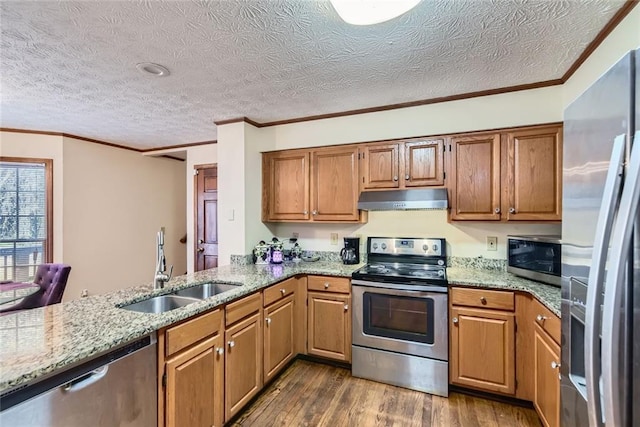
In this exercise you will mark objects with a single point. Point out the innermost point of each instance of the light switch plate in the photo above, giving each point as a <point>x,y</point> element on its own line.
<point>492,243</point>
<point>334,238</point>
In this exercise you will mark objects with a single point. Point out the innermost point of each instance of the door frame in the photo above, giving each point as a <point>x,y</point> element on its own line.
<point>194,245</point>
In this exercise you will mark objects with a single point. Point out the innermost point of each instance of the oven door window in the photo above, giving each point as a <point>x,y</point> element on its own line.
<point>398,317</point>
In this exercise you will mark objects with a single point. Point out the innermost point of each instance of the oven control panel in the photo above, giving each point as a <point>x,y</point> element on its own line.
<point>410,246</point>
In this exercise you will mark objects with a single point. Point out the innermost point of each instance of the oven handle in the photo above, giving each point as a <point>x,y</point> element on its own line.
<point>414,289</point>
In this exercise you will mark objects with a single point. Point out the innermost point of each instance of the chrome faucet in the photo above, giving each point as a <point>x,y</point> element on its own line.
<point>161,277</point>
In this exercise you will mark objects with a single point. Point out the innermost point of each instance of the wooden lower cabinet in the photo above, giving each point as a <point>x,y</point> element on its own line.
<point>483,349</point>
<point>547,381</point>
<point>243,370</point>
<point>329,325</point>
<point>279,336</point>
<point>194,386</point>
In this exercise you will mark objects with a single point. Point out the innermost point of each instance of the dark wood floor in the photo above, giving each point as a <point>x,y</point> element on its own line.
<point>312,394</point>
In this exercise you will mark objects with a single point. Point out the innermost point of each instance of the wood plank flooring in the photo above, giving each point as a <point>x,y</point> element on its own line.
<point>313,394</point>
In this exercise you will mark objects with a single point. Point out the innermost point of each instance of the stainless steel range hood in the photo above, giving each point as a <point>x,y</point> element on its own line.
<point>432,198</point>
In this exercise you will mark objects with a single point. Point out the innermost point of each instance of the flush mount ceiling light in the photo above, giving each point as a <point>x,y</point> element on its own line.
<point>153,69</point>
<point>369,12</point>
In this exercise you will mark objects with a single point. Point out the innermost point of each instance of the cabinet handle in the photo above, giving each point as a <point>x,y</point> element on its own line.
<point>305,212</point>
<point>555,365</point>
<point>231,344</point>
<point>395,178</point>
<point>483,300</point>
<point>326,285</point>
<point>346,307</point>
<point>314,212</point>
<point>406,177</point>
<point>282,291</point>
<point>220,351</point>
<point>200,241</point>
<point>267,320</point>
<point>540,318</point>
<point>512,210</point>
<point>200,249</point>
<point>497,210</point>
<point>455,320</point>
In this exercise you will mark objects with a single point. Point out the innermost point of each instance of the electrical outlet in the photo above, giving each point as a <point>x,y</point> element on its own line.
<point>334,238</point>
<point>492,243</point>
<point>84,293</point>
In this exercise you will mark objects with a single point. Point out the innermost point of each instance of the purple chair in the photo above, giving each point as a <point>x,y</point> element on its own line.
<point>52,279</point>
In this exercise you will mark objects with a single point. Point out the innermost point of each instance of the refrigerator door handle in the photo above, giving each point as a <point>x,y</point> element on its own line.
<point>622,237</point>
<point>606,217</point>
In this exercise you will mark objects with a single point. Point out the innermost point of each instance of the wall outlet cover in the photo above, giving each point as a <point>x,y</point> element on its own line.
<point>334,238</point>
<point>492,243</point>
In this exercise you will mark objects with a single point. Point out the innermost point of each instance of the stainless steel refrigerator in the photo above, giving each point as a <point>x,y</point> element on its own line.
<point>600,369</point>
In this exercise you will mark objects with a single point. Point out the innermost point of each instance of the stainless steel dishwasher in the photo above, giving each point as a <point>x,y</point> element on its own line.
<point>118,388</point>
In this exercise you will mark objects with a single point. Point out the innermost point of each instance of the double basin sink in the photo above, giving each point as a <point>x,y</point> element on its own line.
<point>181,298</point>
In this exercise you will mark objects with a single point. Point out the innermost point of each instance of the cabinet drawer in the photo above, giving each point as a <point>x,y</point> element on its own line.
<point>192,331</point>
<point>279,291</point>
<point>340,285</point>
<point>548,321</point>
<point>245,307</point>
<point>483,298</point>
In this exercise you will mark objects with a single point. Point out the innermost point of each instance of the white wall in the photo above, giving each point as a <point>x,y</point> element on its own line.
<point>115,201</point>
<point>14,144</point>
<point>198,155</point>
<point>625,37</point>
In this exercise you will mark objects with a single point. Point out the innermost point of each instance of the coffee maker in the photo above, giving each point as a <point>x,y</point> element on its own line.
<point>350,254</point>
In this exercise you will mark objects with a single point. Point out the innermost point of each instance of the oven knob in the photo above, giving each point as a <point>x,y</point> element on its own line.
<point>440,262</point>
<point>375,246</point>
<point>435,248</point>
<point>440,273</point>
<point>384,246</point>
<point>425,248</point>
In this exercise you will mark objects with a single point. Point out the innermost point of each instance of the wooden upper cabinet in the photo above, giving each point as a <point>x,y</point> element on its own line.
<point>415,163</point>
<point>475,177</point>
<point>423,163</point>
<point>334,184</point>
<point>380,165</point>
<point>285,185</point>
<point>534,174</point>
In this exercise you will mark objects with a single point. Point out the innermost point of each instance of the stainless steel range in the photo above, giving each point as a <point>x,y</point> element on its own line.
<point>400,318</point>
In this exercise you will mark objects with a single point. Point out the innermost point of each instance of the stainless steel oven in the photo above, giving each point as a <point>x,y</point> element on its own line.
<point>400,318</point>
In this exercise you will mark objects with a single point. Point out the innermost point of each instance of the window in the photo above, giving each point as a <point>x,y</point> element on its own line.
<point>26,195</point>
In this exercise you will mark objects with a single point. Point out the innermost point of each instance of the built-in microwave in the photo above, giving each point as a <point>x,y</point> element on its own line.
<point>535,257</point>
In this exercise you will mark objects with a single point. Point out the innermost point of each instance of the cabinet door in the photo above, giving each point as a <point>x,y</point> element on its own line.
<point>483,349</point>
<point>334,184</point>
<point>194,388</point>
<point>286,185</point>
<point>329,326</point>
<point>423,163</point>
<point>243,370</point>
<point>278,336</point>
<point>547,380</point>
<point>475,177</point>
<point>379,165</point>
<point>534,174</point>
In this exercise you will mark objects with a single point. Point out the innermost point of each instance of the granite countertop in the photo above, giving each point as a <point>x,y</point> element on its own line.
<point>36,343</point>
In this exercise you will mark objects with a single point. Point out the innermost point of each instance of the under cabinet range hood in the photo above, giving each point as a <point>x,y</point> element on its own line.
<point>396,200</point>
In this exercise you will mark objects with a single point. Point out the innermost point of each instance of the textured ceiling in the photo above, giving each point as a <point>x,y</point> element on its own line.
<point>69,66</point>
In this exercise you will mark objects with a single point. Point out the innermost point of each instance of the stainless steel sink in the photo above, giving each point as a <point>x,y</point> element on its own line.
<point>205,290</point>
<point>160,304</point>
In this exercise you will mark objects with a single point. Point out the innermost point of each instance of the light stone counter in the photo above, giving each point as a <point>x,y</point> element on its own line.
<point>36,343</point>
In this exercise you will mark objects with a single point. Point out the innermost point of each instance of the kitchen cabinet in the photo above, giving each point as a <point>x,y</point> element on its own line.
<point>475,177</point>
<point>319,185</point>
<point>286,185</point>
<point>243,361</point>
<point>191,366</point>
<point>527,188</point>
<point>482,328</point>
<point>329,318</point>
<point>534,174</point>
<point>547,378</point>
<point>402,164</point>
<point>281,326</point>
